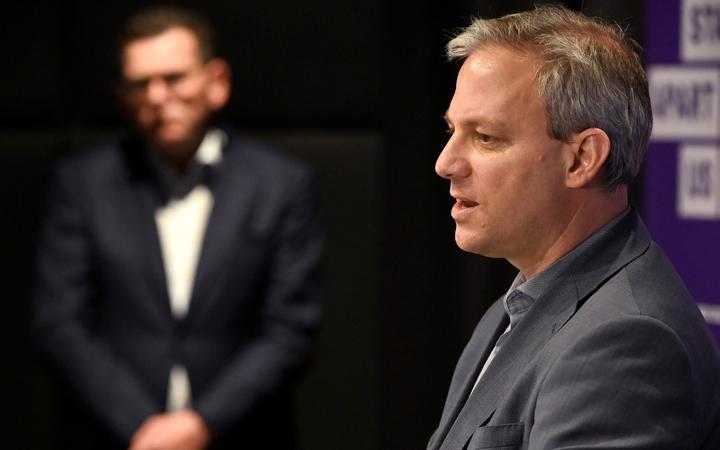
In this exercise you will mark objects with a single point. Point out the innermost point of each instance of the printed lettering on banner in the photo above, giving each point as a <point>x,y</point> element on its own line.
<point>698,188</point>
<point>685,102</point>
<point>700,30</point>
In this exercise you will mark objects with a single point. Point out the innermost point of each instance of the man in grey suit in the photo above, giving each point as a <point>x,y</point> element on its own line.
<point>597,343</point>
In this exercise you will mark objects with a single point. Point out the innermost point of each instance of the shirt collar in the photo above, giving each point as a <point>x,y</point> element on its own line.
<point>208,155</point>
<point>210,150</point>
<point>523,293</point>
<point>516,301</point>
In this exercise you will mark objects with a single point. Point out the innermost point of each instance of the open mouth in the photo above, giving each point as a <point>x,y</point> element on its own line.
<point>466,203</point>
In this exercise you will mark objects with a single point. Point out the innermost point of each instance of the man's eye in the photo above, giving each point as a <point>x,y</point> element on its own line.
<point>485,139</point>
<point>174,78</point>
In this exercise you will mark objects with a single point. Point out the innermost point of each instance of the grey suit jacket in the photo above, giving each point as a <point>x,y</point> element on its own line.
<point>615,355</point>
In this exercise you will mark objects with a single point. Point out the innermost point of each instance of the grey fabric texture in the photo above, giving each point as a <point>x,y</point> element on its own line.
<point>613,354</point>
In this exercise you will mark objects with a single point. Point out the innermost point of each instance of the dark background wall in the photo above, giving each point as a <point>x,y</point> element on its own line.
<point>358,90</point>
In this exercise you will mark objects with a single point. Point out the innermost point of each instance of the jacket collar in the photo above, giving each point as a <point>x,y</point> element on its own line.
<point>603,255</point>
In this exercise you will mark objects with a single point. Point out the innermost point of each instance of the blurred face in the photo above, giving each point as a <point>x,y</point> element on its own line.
<point>506,173</point>
<point>169,91</point>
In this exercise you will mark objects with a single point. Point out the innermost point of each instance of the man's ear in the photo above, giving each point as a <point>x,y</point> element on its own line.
<point>218,91</point>
<point>589,149</point>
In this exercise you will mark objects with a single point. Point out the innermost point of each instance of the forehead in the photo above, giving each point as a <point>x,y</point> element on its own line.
<point>175,49</point>
<point>495,84</point>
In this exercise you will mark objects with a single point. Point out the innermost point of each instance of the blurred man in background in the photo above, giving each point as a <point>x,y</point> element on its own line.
<point>178,271</point>
<point>597,343</point>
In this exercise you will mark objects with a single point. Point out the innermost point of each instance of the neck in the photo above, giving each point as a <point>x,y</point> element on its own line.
<point>178,155</point>
<point>179,160</point>
<point>587,214</point>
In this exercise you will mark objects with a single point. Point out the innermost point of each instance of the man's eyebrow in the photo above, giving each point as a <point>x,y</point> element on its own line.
<point>474,121</point>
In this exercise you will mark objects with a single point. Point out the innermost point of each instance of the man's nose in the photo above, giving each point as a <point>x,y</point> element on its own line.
<point>157,91</point>
<point>451,163</point>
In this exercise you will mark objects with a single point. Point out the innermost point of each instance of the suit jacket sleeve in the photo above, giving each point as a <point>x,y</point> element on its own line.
<point>291,314</point>
<point>61,324</point>
<point>626,384</point>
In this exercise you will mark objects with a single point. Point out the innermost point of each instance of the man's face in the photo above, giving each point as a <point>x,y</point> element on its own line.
<point>169,91</point>
<point>506,173</point>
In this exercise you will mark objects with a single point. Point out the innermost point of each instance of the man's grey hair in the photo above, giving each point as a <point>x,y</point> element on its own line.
<point>588,74</point>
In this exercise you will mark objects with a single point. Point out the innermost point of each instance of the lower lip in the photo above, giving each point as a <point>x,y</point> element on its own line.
<point>460,212</point>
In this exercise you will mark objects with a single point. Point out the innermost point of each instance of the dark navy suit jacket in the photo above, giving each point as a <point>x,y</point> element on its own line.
<point>102,312</point>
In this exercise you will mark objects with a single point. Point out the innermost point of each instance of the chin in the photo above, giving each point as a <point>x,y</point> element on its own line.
<point>475,243</point>
<point>169,140</point>
<point>466,243</point>
<point>172,136</point>
<point>168,132</point>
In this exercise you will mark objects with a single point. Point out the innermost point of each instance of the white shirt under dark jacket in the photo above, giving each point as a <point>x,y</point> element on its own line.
<point>181,224</point>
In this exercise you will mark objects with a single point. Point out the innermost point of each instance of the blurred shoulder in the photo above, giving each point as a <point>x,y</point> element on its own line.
<point>105,163</point>
<point>104,154</point>
<point>265,158</point>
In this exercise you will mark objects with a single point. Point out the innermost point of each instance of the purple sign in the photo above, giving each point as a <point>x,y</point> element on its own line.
<point>682,169</point>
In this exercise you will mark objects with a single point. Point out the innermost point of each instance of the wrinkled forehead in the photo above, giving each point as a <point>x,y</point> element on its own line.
<point>498,80</point>
<point>500,63</point>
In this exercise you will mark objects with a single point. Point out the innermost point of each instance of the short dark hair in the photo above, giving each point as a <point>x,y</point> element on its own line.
<point>156,20</point>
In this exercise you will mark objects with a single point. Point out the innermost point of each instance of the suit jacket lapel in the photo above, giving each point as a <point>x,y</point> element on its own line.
<point>149,242</point>
<point>522,344</point>
<point>602,259</point>
<point>233,186</point>
<point>476,352</point>
<point>140,207</point>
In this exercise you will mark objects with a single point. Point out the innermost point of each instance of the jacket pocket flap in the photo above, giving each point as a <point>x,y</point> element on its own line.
<point>493,436</point>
